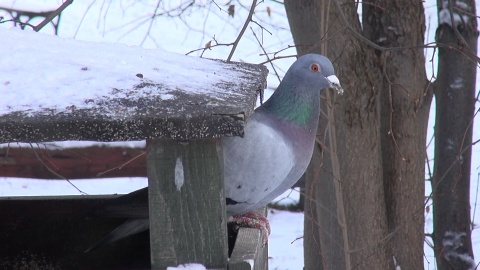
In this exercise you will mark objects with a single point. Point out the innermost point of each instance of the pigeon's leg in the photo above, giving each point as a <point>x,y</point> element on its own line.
<point>251,220</point>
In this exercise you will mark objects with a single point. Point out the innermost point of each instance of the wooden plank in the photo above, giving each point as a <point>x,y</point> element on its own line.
<point>72,163</point>
<point>249,252</point>
<point>187,203</point>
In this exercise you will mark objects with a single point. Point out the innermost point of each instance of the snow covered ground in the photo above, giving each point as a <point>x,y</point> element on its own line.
<point>128,22</point>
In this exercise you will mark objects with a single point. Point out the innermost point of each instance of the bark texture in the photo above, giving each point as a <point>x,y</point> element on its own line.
<point>370,161</point>
<point>404,108</point>
<point>455,104</point>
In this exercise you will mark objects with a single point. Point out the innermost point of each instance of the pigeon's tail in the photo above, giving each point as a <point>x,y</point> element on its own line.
<point>128,228</point>
<point>133,205</point>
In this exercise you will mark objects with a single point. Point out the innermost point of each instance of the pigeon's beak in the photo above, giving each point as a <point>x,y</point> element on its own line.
<point>335,84</point>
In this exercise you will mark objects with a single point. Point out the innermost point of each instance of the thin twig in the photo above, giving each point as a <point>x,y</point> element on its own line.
<point>475,203</point>
<point>266,54</point>
<point>262,27</point>
<point>55,173</point>
<point>450,167</point>
<point>247,21</point>
<point>298,238</point>
<point>52,15</point>
<point>462,40</point>
<point>355,33</point>
<point>209,47</point>
<point>276,58</point>
<point>16,21</point>
<point>390,101</point>
<point>381,48</point>
<point>122,165</point>
<point>152,19</point>
<point>6,156</point>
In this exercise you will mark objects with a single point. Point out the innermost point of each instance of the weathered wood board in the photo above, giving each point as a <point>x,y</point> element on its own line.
<point>187,203</point>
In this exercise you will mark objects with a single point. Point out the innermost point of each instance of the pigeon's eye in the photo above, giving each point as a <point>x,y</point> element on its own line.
<point>315,67</point>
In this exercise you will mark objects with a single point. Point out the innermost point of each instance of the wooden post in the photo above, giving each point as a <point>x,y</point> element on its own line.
<point>187,203</point>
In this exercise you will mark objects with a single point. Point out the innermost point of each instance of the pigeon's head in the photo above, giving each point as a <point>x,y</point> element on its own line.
<point>315,71</point>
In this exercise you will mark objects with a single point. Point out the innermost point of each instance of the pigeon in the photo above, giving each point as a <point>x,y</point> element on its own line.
<point>271,157</point>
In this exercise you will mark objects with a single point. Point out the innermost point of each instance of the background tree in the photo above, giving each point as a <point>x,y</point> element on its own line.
<point>375,164</point>
<point>362,212</point>
<point>455,105</point>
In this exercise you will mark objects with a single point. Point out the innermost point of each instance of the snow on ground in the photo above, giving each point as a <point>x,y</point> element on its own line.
<point>34,187</point>
<point>285,243</point>
<point>190,266</point>
<point>128,22</point>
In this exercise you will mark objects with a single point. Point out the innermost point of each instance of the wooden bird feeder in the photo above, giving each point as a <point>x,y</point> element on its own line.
<point>181,105</point>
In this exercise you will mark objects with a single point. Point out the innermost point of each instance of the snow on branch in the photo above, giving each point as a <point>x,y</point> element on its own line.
<point>453,248</point>
<point>459,13</point>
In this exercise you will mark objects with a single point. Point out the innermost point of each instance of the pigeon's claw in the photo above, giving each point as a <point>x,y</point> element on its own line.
<point>335,84</point>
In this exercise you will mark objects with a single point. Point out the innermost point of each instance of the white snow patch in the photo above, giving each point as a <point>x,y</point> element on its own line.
<point>449,95</point>
<point>286,240</point>
<point>291,196</point>
<point>395,263</point>
<point>179,176</point>
<point>44,72</point>
<point>188,266</point>
<point>445,17</point>
<point>74,144</point>
<point>251,262</point>
<point>457,84</point>
<point>10,186</point>
<point>167,96</point>
<point>450,145</point>
<point>381,39</point>
<point>451,242</point>
<point>462,5</point>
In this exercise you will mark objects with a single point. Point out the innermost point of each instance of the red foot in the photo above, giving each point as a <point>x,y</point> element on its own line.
<point>252,220</point>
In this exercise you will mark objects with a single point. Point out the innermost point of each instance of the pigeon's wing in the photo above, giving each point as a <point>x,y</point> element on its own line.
<point>254,165</point>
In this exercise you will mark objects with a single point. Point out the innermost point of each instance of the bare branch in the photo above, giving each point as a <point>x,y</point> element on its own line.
<point>16,21</point>
<point>247,21</point>
<point>52,15</point>
<point>463,42</point>
<point>266,55</point>
<point>276,58</point>
<point>122,165</point>
<point>151,22</point>
<point>209,47</point>
<point>54,172</point>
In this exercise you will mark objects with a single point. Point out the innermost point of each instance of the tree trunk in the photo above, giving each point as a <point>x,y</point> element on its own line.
<point>371,162</point>
<point>455,104</point>
<point>405,102</point>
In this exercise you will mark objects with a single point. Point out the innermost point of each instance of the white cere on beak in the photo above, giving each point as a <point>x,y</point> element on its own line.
<point>335,84</point>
